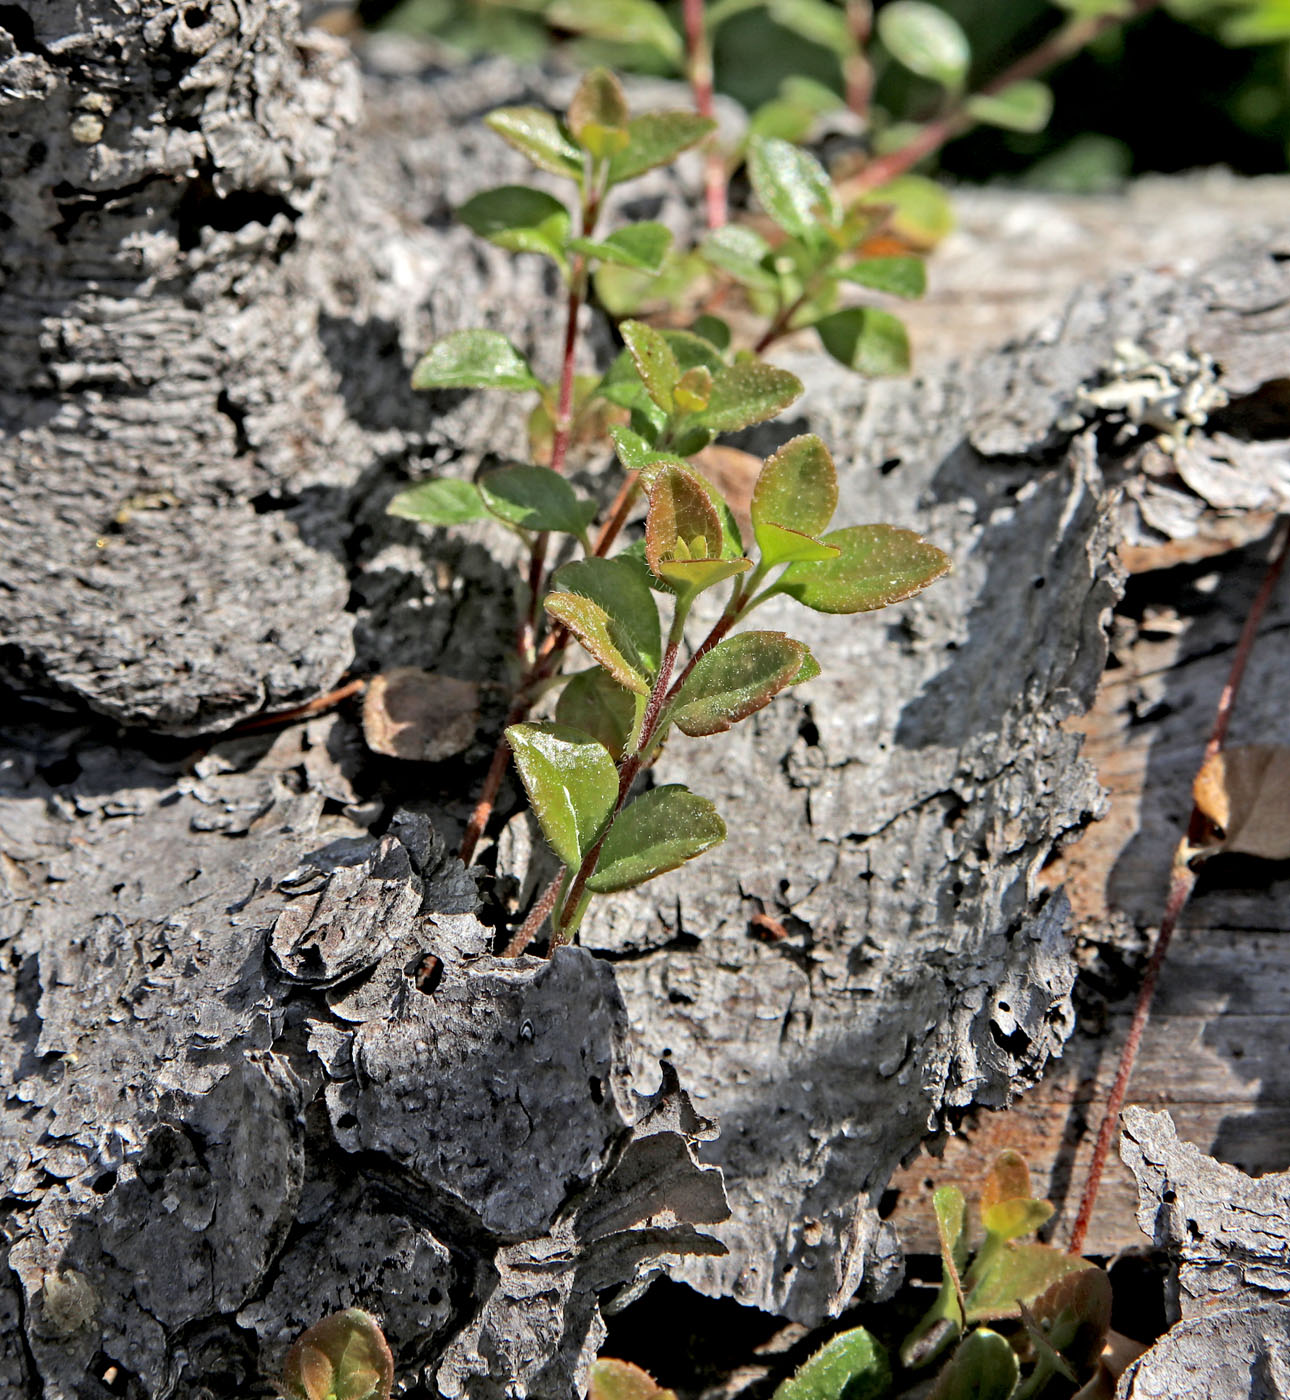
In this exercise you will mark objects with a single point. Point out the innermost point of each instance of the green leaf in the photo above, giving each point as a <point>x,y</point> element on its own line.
<point>635,453</point>
<point>620,1380</point>
<point>902,277</point>
<point>1012,1219</point>
<point>595,703</point>
<point>473,360</point>
<point>809,669</point>
<point>1013,1273</point>
<point>793,187</point>
<point>712,329</point>
<point>642,245</point>
<point>519,218</point>
<point>1264,22</point>
<point>780,546</point>
<point>537,134</point>
<point>536,498</point>
<point>1021,106</point>
<point>624,21</point>
<point>684,539</point>
<point>654,360</point>
<point>817,22</point>
<point>852,1366</point>
<point>571,782</point>
<point>662,829</point>
<point>943,1321</point>
<point>605,640</point>
<point>741,253</point>
<point>878,565</point>
<point>865,339</point>
<point>625,595</point>
<point>656,138</point>
<point>927,40</point>
<point>735,679</point>
<point>983,1368</point>
<point>343,1357</point>
<point>796,488</point>
<point>920,211</point>
<point>443,502</point>
<point>598,114</point>
<point>747,392</point>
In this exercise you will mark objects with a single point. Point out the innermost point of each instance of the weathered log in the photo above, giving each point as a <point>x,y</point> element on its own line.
<point>262,1063</point>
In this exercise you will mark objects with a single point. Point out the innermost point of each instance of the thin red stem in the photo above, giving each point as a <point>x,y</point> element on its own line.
<point>699,51</point>
<point>537,916</point>
<point>318,705</point>
<point>1182,881</point>
<point>1069,39</point>
<point>857,72</point>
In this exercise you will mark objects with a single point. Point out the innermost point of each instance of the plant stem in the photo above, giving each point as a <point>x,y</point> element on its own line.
<point>699,66</point>
<point>857,71</point>
<point>1065,41</point>
<point>529,929</point>
<point>318,705</point>
<point>618,513</point>
<point>1182,881</point>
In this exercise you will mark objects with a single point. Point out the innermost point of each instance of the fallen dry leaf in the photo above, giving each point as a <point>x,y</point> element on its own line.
<point>1244,795</point>
<point>415,714</point>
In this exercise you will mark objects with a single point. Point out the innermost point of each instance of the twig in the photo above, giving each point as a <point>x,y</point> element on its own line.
<point>537,916</point>
<point>1182,881</point>
<point>699,65</point>
<point>318,705</point>
<point>1066,41</point>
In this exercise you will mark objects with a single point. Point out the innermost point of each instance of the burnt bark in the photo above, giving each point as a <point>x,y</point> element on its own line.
<point>262,1061</point>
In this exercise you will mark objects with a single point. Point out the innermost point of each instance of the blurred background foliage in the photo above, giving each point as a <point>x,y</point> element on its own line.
<point>1193,83</point>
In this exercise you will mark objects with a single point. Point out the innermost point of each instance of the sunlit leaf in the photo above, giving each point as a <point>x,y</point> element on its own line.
<point>519,218</point>
<point>536,498</point>
<point>851,1366</point>
<point>537,134</point>
<point>661,829</point>
<point>473,359</point>
<point>624,21</point>
<point>747,392</point>
<point>796,489</point>
<point>681,522</point>
<point>620,1380</point>
<point>714,330</point>
<point>900,276</point>
<point>926,39</point>
<point>735,679</point>
<point>654,360</point>
<point>741,253</point>
<point>878,565</point>
<point>793,187</point>
<point>625,596</point>
<point>866,339</point>
<point>443,502</point>
<point>1007,1180</point>
<point>1243,793</point>
<point>816,21</point>
<point>343,1357</point>
<point>642,246</point>
<point>693,390</point>
<point>595,703</point>
<point>599,107</point>
<point>656,138</point>
<point>635,453</point>
<point>1021,106</point>
<point>604,638</point>
<point>1015,1271</point>
<point>1015,1218</point>
<point>571,781</point>
<point>984,1367</point>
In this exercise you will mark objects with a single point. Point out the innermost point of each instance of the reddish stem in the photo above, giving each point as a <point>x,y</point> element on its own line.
<point>318,705</point>
<point>537,916</point>
<point>618,513</point>
<point>857,72</point>
<point>699,51</point>
<point>1181,883</point>
<point>1060,45</point>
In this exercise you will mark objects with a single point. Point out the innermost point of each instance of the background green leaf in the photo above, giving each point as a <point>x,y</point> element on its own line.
<point>735,679</point>
<point>595,703</point>
<point>851,1366</point>
<point>741,253</point>
<point>1022,106</point>
<point>926,39</point>
<point>662,829</point>
<point>519,218</point>
<point>537,134</point>
<point>983,1368</point>
<point>536,498</point>
<point>878,565</point>
<point>656,138</point>
<point>641,245</point>
<point>473,360</point>
<point>793,187</point>
<point>443,502</point>
<point>900,276</point>
<point>866,339</point>
<point>571,781</point>
<point>625,21</point>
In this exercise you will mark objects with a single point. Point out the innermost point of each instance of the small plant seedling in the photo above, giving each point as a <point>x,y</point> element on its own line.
<point>343,1357</point>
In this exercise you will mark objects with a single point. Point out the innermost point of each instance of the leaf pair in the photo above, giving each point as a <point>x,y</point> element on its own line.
<point>572,783</point>
<point>526,498</point>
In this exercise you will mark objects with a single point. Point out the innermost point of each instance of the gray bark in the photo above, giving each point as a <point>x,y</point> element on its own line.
<point>263,1063</point>
<point>1230,1237</point>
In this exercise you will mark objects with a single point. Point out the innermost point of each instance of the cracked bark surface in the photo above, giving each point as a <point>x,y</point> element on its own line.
<point>1229,1236</point>
<point>262,1062</point>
